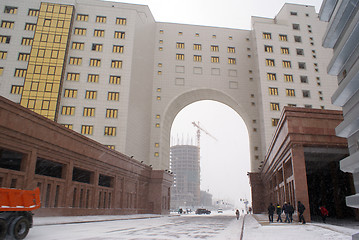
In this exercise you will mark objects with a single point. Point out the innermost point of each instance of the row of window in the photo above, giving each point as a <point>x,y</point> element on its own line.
<point>198,47</point>
<point>197,35</point>
<point>276,107</point>
<point>89,112</point>
<point>96,47</point>
<point>55,38</point>
<point>94,62</point>
<point>113,79</point>
<point>91,94</point>
<point>100,19</point>
<point>198,58</point>
<point>288,64</point>
<point>88,130</point>
<point>284,38</point>
<point>289,92</point>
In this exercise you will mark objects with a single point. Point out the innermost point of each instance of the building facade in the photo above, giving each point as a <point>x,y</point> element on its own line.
<point>109,71</point>
<point>185,165</point>
<point>342,35</point>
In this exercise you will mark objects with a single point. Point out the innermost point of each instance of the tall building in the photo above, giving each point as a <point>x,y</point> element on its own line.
<point>109,71</point>
<point>342,35</point>
<point>185,166</point>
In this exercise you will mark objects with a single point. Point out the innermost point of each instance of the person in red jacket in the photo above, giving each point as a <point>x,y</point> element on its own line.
<point>324,212</point>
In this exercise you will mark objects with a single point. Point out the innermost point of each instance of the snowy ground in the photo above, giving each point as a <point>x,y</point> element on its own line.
<point>145,227</point>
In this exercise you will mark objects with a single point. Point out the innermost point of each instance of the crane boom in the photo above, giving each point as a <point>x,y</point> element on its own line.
<point>203,130</point>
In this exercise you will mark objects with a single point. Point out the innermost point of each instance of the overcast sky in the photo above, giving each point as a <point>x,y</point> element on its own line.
<point>224,163</point>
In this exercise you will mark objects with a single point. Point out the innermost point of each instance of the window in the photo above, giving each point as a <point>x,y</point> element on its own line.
<point>275,122</point>
<point>96,47</point>
<point>73,77</point>
<point>179,45</point>
<point>197,58</point>
<point>303,79</point>
<point>231,49</point>
<point>82,17</point>
<point>283,38</point>
<point>75,61</point>
<point>268,48</point>
<point>1,70</point>
<point>20,72</point>
<point>117,49</point>
<point>292,105</point>
<point>301,65</point>
<point>16,89</point>
<point>120,35</point>
<point>80,31</point>
<point>111,113</point>
<point>214,48</point>
<point>33,12</point>
<point>295,26</point>
<point>116,64</point>
<point>293,13</point>
<point>290,92</point>
<point>161,31</point>
<point>110,131</point>
<point>297,39</point>
<point>4,39</point>
<point>70,93</point>
<point>287,64</point>
<point>89,112</point>
<point>100,19</point>
<point>7,24</point>
<point>197,47</point>
<point>180,33</point>
<point>284,50</point>
<point>267,35</point>
<point>288,78</point>
<point>179,56</point>
<point>99,33</point>
<point>215,59</point>
<point>115,80</point>
<point>10,10</point>
<point>121,21</point>
<point>30,26</point>
<point>78,45</point>
<point>113,96</point>
<point>274,106</point>
<point>231,61</point>
<point>95,62</point>
<point>47,22</point>
<point>3,54</point>
<point>273,91</point>
<point>87,129</point>
<point>306,93</point>
<point>271,76</point>
<point>270,62</point>
<point>300,51</point>
<point>93,78</point>
<point>26,41</point>
<point>67,110</point>
<point>91,94</point>
<point>308,106</point>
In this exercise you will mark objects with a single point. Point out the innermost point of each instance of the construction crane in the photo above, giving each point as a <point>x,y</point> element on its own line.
<point>199,129</point>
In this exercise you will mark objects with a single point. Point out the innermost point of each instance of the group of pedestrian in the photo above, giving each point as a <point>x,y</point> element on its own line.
<point>288,210</point>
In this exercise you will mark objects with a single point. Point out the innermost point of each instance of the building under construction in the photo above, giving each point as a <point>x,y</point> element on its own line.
<point>185,165</point>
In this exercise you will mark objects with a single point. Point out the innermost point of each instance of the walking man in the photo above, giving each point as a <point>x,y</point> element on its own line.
<point>324,212</point>
<point>301,209</point>
<point>271,210</point>
<point>279,213</point>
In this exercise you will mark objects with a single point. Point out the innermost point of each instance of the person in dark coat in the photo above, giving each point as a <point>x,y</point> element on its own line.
<point>290,212</point>
<point>324,213</point>
<point>271,210</point>
<point>279,213</point>
<point>301,209</point>
<point>237,214</point>
<point>286,211</point>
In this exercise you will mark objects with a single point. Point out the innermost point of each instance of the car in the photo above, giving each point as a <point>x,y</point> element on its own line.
<point>202,211</point>
<point>220,210</point>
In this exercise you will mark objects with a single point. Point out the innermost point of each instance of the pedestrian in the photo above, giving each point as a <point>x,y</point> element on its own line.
<point>250,210</point>
<point>237,214</point>
<point>286,212</point>
<point>271,210</point>
<point>301,209</point>
<point>290,212</point>
<point>324,213</point>
<point>279,213</point>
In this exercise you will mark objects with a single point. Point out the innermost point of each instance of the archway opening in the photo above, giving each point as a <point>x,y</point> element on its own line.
<point>224,152</point>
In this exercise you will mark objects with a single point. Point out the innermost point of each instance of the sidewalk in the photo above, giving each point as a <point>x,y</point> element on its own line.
<point>257,226</point>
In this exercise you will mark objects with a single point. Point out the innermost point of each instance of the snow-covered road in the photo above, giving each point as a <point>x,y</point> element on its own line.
<point>145,227</point>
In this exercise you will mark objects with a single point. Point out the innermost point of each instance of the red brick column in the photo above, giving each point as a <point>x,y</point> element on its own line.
<point>258,194</point>
<point>300,179</point>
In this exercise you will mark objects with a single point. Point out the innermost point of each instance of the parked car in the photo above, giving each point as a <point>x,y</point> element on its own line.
<point>202,211</point>
<point>220,210</point>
